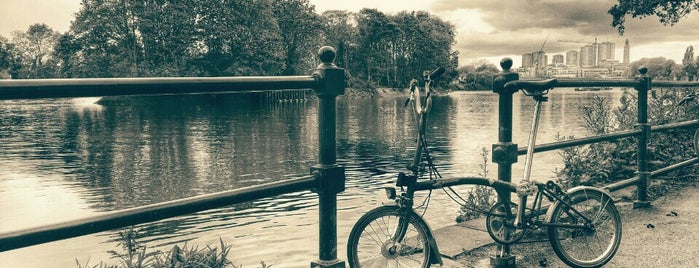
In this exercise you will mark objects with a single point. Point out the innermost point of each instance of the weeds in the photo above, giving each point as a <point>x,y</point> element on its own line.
<point>133,255</point>
<point>480,198</point>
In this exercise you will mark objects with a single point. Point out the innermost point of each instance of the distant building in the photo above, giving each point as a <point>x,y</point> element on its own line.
<point>572,58</point>
<point>527,59</point>
<point>588,56</point>
<point>627,52</point>
<point>557,60</point>
<point>605,51</point>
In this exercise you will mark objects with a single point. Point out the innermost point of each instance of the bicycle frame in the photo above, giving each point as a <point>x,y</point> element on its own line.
<point>502,223</point>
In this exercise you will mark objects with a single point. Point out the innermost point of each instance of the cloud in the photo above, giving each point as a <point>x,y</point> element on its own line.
<point>520,26</point>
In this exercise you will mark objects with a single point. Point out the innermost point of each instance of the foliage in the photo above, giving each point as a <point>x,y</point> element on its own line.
<point>116,38</point>
<point>611,161</point>
<point>133,255</point>
<point>299,26</point>
<point>480,198</point>
<point>689,65</point>
<point>478,76</point>
<point>659,68</point>
<point>668,12</point>
<point>34,50</point>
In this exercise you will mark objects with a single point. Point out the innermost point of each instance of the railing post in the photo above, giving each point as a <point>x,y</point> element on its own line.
<point>330,176</point>
<point>504,152</point>
<point>643,86</point>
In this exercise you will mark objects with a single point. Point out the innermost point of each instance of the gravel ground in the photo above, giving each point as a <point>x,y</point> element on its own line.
<point>664,235</point>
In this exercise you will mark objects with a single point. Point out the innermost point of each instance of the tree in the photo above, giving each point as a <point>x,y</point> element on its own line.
<point>668,12</point>
<point>689,66</point>
<point>9,62</point>
<point>106,31</point>
<point>299,27</point>
<point>340,32</point>
<point>35,49</point>
<point>659,68</point>
<point>376,31</point>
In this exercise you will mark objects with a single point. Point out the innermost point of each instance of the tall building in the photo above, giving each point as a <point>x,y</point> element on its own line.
<point>605,51</point>
<point>588,55</point>
<point>557,60</point>
<point>527,59</point>
<point>627,52</point>
<point>572,58</point>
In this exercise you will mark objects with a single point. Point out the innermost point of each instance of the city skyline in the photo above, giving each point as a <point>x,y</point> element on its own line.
<point>589,55</point>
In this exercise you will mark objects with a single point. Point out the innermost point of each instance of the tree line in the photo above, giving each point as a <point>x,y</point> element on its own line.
<point>148,38</point>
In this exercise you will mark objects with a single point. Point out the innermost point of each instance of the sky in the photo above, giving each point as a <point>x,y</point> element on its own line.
<point>486,30</point>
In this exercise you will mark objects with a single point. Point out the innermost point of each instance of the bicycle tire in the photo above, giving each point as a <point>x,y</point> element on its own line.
<point>588,247</point>
<point>388,236</point>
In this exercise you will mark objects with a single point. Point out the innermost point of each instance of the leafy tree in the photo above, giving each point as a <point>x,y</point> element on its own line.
<point>478,76</point>
<point>689,66</point>
<point>299,27</point>
<point>376,31</point>
<point>240,38</point>
<point>668,12</point>
<point>168,36</point>
<point>659,68</point>
<point>105,30</point>
<point>35,48</point>
<point>9,62</point>
<point>339,31</point>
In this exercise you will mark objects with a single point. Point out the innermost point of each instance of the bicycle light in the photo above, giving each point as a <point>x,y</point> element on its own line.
<point>390,192</point>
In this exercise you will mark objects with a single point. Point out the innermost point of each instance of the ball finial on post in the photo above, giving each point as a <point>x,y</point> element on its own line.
<point>643,70</point>
<point>326,54</point>
<point>506,63</point>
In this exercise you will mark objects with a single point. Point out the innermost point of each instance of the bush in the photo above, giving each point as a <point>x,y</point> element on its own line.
<point>602,163</point>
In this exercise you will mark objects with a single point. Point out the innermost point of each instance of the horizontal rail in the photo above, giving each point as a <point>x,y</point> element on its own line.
<point>605,137</point>
<point>581,141</point>
<point>149,213</point>
<point>674,167</point>
<point>98,87</point>
<point>674,84</point>
<point>562,82</point>
<point>684,124</point>
<point>622,184</point>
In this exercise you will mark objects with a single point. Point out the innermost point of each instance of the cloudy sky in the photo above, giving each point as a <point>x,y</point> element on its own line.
<point>486,29</point>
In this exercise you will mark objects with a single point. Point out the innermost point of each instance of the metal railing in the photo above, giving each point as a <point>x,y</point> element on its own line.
<point>505,153</point>
<point>327,179</point>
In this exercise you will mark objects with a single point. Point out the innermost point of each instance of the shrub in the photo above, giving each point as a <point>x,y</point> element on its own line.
<point>602,163</point>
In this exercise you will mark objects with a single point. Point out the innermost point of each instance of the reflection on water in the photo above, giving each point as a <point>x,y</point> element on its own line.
<point>64,159</point>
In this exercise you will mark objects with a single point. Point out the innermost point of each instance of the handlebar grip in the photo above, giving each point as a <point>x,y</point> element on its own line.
<point>436,73</point>
<point>532,85</point>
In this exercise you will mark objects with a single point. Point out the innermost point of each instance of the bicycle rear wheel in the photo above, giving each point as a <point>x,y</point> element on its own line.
<point>595,243</point>
<point>389,237</point>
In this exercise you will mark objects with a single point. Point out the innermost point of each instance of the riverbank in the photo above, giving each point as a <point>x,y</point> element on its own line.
<point>663,235</point>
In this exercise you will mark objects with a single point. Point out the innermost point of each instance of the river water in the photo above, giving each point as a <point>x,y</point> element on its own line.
<point>71,158</point>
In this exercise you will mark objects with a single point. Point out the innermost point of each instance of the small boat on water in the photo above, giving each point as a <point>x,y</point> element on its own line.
<point>592,88</point>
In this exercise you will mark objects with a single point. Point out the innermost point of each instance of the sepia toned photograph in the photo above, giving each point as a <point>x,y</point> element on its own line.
<point>358,134</point>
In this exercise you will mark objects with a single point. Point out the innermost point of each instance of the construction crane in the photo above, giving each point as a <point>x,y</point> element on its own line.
<point>540,56</point>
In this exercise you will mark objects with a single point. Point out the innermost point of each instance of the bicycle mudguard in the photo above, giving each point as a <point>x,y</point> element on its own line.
<point>571,191</point>
<point>435,256</point>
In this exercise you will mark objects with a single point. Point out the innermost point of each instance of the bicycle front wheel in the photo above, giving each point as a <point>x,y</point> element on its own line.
<point>389,236</point>
<point>582,243</point>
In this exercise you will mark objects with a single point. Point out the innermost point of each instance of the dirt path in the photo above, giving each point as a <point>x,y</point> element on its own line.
<point>665,235</point>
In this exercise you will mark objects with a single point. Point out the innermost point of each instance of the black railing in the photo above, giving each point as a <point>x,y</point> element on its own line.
<point>505,152</point>
<point>327,179</point>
